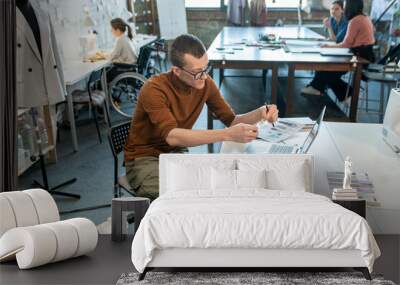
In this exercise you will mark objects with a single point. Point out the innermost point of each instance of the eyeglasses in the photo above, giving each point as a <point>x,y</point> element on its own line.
<point>200,74</point>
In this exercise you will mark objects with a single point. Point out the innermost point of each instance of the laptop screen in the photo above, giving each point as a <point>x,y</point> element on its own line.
<point>313,133</point>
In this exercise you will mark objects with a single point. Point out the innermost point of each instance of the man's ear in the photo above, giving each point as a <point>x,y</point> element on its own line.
<point>176,70</point>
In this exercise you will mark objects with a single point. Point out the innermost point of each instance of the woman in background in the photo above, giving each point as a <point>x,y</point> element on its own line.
<point>124,51</point>
<point>359,38</point>
<point>336,24</point>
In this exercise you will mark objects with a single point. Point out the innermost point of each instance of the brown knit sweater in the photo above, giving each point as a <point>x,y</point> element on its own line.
<point>165,103</point>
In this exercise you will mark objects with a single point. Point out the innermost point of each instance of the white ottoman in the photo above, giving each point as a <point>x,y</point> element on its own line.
<point>31,233</point>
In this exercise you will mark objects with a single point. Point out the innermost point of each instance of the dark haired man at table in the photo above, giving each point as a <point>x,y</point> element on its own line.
<point>168,106</point>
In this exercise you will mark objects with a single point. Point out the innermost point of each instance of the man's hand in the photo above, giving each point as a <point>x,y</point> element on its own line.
<point>242,133</point>
<point>271,115</point>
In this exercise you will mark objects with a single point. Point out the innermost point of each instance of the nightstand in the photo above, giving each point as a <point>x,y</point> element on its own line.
<point>357,206</point>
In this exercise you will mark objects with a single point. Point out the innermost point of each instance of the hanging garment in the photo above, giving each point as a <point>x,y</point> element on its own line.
<point>236,11</point>
<point>40,78</point>
<point>258,13</point>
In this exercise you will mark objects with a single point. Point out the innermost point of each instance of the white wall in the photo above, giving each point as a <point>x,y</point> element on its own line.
<point>68,17</point>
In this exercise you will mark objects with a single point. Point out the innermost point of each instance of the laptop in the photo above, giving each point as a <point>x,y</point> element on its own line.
<point>279,148</point>
<point>336,52</point>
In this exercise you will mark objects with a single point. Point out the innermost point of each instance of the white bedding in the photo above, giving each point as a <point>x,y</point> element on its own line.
<point>251,218</point>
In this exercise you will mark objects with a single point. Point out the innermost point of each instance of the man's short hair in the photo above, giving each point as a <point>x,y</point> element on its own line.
<point>185,44</point>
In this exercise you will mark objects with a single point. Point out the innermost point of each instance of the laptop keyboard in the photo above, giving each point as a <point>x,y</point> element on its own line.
<point>279,148</point>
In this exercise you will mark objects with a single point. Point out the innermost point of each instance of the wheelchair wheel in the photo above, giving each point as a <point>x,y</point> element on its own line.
<point>124,92</point>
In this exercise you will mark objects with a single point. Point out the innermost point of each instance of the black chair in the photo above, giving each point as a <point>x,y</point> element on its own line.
<point>116,137</point>
<point>143,61</point>
<point>93,84</point>
<point>392,55</point>
<point>386,73</point>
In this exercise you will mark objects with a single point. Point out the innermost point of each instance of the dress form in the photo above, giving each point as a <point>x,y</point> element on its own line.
<point>26,9</point>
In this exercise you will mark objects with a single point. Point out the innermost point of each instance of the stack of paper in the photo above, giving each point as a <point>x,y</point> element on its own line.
<point>336,52</point>
<point>344,194</point>
<point>280,131</point>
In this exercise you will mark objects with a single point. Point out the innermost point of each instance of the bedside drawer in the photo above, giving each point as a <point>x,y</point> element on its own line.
<point>357,206</point>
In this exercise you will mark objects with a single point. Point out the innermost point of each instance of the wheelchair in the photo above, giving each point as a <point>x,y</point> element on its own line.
<point>126,80</point>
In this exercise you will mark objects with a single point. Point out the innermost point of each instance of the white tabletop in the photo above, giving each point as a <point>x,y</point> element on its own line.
<point>369,153</point>
<point>76,70</point>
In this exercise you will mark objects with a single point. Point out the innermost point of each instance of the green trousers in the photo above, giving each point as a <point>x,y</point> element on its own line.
<point>142,174</point>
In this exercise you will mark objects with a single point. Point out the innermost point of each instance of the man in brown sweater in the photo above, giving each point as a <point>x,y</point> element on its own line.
<point>169,105</point>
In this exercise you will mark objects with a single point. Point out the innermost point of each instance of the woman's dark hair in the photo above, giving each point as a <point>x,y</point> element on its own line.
<point>339,3</point>
<point>119,24</point>
<point>353,8</point>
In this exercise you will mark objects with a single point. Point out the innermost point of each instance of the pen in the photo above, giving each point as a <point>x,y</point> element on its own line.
<point>266,106</point>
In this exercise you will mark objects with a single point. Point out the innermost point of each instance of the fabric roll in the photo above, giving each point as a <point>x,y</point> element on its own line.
<point>32,246</point>
<point>45,205</point>
<point>67,240</point>
<point>23,207</point>
<point>87,235</point>
<point>7,217</point>
<point>41,244</point>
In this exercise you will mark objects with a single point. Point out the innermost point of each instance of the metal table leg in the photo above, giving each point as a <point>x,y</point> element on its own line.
<point>104,86</point>
<point>289,93</point>
<point>71,118</point>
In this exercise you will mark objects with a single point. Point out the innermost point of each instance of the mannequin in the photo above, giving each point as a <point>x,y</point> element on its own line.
<point>40,80</point>
<point>26,9</point>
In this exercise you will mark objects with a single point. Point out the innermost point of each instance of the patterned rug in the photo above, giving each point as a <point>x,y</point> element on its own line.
<point>244,278</point>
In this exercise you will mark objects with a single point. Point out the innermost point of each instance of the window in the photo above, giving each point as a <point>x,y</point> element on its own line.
<point>273,4</point>
<point>203,3</point>
<point>277,4</point>
<point>284,4</point>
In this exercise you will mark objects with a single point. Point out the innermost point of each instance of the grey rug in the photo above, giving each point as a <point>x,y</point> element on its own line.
<point>243,278</point>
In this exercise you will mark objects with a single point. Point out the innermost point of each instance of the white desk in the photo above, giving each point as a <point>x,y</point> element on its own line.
<point>370,154</point>
<point>75,70</point>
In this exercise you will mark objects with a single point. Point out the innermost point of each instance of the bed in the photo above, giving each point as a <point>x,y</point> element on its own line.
<point>247,211</point>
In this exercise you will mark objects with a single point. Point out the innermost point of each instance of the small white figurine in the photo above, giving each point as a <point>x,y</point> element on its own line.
<point>347,173</point>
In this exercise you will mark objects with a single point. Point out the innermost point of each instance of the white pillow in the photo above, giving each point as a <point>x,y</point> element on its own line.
<point>291,179</point>
<point>282,173</point>
<point>223,179</point>
<point>228,179</point>
<point>251,179</point>
<point>184,177</point>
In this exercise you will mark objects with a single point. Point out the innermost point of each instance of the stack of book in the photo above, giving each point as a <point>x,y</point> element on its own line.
<point>344,194</point>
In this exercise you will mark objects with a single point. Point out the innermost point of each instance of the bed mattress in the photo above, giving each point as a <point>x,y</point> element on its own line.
<point>250,219</point>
